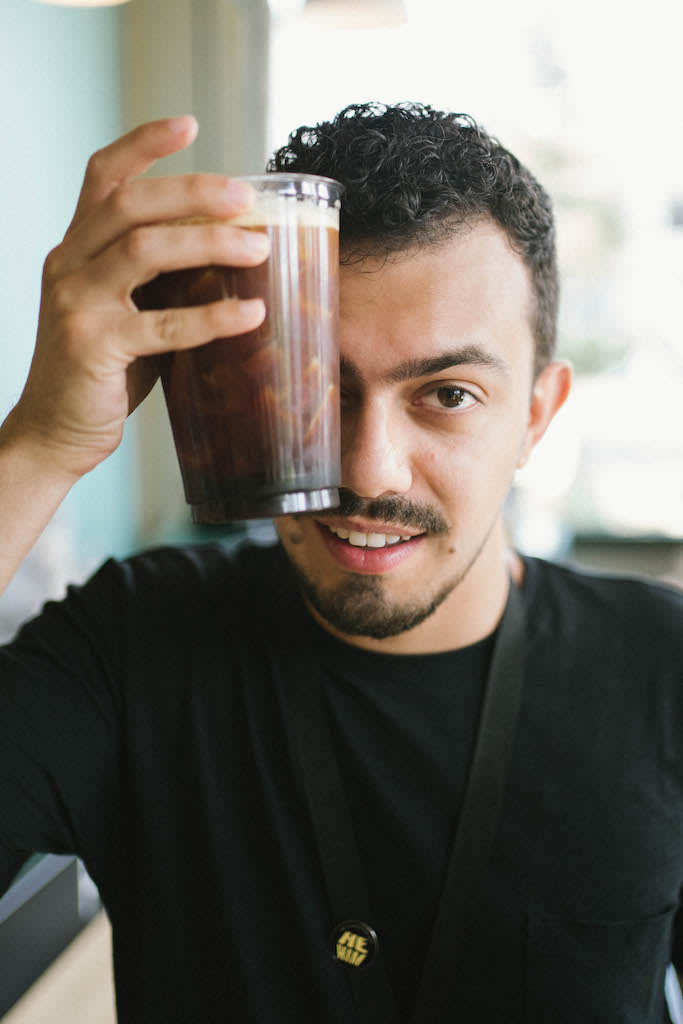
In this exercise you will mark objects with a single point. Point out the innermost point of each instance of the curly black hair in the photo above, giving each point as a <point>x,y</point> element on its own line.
<point>414,174</point>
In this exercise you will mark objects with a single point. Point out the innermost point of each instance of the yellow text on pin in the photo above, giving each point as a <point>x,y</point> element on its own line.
<point>352,948</point>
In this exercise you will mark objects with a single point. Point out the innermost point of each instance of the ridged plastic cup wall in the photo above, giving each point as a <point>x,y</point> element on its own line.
<point>255,418</point>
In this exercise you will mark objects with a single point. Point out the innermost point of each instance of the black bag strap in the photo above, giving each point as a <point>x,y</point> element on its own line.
<point>354,941</point>
<point>480,812</point>
<point>344,876</point>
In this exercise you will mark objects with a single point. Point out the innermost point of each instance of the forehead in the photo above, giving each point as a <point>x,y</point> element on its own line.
<point>471,290</point>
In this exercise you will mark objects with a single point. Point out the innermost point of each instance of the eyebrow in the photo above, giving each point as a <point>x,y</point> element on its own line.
<point>414,368</point>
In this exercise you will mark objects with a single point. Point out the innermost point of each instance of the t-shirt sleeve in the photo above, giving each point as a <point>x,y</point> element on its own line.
<point>60,709</point>
<point>677,943</point>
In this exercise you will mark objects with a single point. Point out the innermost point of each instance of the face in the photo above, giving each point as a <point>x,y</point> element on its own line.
<point>439,408</point>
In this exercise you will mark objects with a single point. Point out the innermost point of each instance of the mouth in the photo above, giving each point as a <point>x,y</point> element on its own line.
<point>363,547</point>
<point>368,539</point>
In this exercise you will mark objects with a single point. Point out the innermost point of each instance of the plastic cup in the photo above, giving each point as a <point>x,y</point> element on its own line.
<point>255,418</point>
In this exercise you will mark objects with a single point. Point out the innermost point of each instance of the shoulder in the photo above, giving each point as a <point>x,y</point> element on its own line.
<point>206,564</point>
<point>162,589</point>
<point>196,576</point>
<point>591,603</point>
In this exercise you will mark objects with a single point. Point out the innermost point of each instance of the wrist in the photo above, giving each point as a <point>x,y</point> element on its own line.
<point>33,457</point>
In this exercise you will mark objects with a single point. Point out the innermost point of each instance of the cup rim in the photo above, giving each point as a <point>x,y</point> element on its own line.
<point>294,176</point>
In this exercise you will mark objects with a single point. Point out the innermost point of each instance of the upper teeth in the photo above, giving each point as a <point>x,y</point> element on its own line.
<point>370,540</point>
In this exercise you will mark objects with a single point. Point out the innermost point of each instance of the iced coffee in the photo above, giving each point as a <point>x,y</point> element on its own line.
<point>255,418</point>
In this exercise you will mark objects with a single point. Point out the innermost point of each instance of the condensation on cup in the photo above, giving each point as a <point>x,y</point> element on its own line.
<point>255,418</point>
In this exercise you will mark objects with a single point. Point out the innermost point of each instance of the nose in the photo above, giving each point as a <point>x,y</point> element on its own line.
<point>375,455</point>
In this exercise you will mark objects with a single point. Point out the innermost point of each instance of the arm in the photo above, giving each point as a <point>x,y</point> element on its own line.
<point>32,491</point>
<point>89,369</point>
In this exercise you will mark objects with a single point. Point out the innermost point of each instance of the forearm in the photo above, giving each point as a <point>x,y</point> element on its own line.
<point>31,490</point>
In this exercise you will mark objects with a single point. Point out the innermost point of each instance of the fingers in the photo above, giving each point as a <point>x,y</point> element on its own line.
<point>164,330</point>
<point>132,155</point>
<point>143,253</point>
<point>146,201</point>
<point>86,372</point>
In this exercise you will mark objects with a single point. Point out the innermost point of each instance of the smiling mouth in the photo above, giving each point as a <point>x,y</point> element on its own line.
<point>357,539</point>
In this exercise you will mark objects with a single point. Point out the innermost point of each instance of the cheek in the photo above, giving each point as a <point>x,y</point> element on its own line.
<point>290,531</point>
<point>466,472</point>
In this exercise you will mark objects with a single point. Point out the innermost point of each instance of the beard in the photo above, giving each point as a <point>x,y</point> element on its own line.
<point>359,604</point>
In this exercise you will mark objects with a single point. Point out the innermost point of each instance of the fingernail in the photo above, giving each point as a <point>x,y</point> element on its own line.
<point>257,242</point>
<point>180,125</point>
<point>240,192</point>
<point>253,308</point>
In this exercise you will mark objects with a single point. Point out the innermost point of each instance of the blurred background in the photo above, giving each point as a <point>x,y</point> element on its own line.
<point>589,95</point>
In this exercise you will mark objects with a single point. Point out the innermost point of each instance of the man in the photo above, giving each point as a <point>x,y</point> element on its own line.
<point>386,769</point>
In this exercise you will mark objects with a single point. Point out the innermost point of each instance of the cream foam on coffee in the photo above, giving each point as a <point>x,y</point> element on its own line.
<point>271,211</point>
<point>278,211</point>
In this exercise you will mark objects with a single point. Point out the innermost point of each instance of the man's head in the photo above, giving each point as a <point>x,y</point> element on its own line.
<point>447,312</point>
<point>414,176</point>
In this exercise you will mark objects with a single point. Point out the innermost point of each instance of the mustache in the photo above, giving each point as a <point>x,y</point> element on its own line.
<point>401,511</point>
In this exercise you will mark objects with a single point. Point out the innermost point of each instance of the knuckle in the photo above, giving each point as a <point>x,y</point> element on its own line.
<point>137,245</point>
<point>120,203</point>
<point>215,235</point>
<point>75,330</point>
<point>52,264</point>
<point>167,326</point>
<point>195,186</point>
<point>95,167</point>
<point>62,297</point>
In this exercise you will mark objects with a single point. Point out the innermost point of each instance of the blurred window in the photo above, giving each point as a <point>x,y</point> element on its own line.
<point>558,85</point>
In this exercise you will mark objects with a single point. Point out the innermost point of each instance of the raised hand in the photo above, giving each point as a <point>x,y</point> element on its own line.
<point>89,369</point>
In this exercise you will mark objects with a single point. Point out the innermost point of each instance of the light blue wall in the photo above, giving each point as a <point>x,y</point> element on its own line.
<point>61,100</point>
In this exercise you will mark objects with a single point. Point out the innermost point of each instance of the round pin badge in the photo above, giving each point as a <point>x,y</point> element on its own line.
<point>355,944</point>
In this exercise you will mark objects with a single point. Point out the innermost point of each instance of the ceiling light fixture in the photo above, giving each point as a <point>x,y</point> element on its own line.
<point>357,13</point>
<point>81,3</point>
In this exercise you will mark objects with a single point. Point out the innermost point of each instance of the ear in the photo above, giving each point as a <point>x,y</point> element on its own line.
<point>550,390</point>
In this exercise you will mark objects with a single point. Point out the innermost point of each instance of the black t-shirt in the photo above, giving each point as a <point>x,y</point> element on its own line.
<point>144,725</point>
<point>403,727</point>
